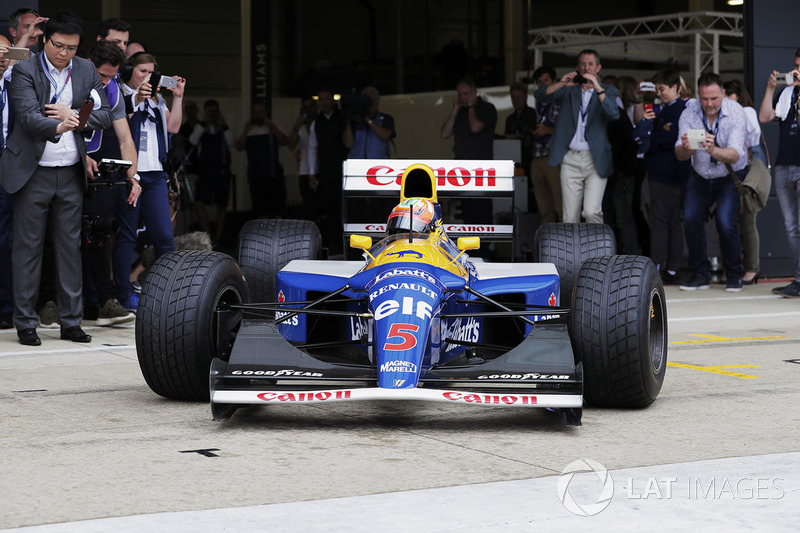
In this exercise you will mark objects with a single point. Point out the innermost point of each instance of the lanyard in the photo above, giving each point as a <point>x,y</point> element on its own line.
<point>53,80</point>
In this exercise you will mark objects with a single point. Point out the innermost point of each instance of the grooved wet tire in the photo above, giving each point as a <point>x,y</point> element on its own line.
<point>567,246</point>
<point>618,328</point>
<point>175,326</point>
<point>266,246</point>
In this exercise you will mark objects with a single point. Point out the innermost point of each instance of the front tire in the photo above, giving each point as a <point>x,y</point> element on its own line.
<point>176,329</point>
<point>618,327</point>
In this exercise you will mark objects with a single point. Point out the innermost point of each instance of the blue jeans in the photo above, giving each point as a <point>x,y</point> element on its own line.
<point>701,194</point>
<point>153,205</point>
<point>787,187</point>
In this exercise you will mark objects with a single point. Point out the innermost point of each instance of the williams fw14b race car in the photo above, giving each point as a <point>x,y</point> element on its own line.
<point>415,319</point>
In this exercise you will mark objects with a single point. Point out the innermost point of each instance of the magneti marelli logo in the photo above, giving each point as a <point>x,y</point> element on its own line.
<point>585,495</point>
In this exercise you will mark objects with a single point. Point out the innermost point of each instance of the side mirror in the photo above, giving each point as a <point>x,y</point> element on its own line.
<point>468,243</point>
<point>361,242</point>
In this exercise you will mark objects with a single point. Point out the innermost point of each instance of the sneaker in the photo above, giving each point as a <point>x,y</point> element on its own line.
<point>132,302</point>
<point>48,316</point>
<point>669,279</point>
<point>791,291</point>
<point>734,285</point>
<point>777,290</point>
<point>695,283</point>
<point>113,313</point>
<point>137,287</point>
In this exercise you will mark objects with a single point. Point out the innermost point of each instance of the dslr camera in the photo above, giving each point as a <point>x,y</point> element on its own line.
<point>356,106</point>
<point>579,79</point>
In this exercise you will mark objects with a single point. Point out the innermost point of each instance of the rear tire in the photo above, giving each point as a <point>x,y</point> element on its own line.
<point>567,246</point>
<point>618,327</point>
<point>266,246</point>
<point>176,330</point>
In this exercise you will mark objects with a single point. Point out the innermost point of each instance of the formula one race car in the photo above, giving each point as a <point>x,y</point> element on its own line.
<point>416,319</point>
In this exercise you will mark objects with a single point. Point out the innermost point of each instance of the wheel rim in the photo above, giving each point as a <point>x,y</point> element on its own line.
<point>657,332</point>
<point>229,295</point>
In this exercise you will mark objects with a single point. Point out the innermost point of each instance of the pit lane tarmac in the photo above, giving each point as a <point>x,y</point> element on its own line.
<point>84,438</point>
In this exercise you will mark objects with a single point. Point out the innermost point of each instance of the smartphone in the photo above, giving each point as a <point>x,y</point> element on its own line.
<point>648,107</point>
<point>168,81</point>
<point>696,138</point>
<point>83,115</point>
<point>17,53</point>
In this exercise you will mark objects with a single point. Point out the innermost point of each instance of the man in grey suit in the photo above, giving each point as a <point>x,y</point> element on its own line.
<point>44,169</point>
<point>580,142</point>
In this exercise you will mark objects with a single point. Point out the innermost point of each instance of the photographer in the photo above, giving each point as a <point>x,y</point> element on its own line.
<point>300,138</point>
<point>783,104</point>
<point>262,140</point>
<point>102,202</point>
<point>367,133</point>
<point>580,141</point>
<point>214,140</point>
<point>522,122</point>
<point>151,124</point>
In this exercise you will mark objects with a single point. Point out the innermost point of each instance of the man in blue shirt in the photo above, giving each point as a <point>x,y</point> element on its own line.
<point>725,127</point>
<point>370,137</point>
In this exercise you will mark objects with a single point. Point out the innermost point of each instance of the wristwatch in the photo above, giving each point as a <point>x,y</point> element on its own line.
<point>135,177</point>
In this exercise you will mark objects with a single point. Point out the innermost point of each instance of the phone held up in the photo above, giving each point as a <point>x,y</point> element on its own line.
<point>17,53</point>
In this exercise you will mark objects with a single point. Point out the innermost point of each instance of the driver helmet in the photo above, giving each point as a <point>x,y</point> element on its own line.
<point>415,214</point>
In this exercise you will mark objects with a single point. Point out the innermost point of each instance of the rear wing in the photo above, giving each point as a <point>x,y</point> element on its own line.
<point>463,179</point>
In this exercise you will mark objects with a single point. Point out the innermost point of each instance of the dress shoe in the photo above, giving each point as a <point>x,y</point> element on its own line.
<point>6,320</point>
<point>753,280</point>
<point>75,334</point>
<point>28,337</point>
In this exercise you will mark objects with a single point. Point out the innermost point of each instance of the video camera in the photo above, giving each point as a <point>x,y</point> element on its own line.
<point>109,176</point>
<point>356,106</point>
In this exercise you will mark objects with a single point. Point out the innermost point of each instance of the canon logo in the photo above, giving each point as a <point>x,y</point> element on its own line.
<point>382,175</point>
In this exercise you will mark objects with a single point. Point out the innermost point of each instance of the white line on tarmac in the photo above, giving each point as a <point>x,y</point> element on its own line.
<point>731,317</point>
<point>727,299</point>
<point>105,348</point>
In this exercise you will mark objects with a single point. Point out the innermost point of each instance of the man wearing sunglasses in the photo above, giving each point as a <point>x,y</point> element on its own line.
<point>43,168</point>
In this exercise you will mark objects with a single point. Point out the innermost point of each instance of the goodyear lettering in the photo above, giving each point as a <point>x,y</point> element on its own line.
<point>489,399</point>
<point>389,307</point>
<point>407,286</point>
<point>458,330</point>
<point>524,376</point>
<point>277,373</point>
<point>304,396</point>
<point>399,366</point>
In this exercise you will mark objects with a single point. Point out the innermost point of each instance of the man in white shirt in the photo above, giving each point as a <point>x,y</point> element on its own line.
<point>44,169</point>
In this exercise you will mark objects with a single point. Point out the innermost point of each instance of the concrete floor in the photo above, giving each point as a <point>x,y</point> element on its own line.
<point>84,438</point>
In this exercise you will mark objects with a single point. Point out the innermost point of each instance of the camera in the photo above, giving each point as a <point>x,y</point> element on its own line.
<point>579,79</point>
<point>356,107</point>
<point>784,78</point>
<point>159,80</point>
<point>96,232</point>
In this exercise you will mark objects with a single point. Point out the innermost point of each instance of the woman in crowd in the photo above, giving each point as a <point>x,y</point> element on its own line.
<point>151,123</point>
<point>737,92</point>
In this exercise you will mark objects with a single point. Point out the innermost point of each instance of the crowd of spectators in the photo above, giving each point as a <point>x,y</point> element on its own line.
<point>610,150</point>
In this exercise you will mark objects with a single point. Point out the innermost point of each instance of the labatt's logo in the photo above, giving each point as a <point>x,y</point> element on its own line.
<point>455,177</point>
<point>468,331</point>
